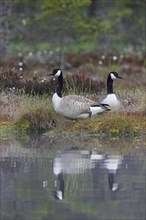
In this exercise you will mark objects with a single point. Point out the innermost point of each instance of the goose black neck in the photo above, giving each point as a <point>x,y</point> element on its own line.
<point>109,85</point>
<point>59,86</point>
<point>111,180</point>
<point>61,182</point>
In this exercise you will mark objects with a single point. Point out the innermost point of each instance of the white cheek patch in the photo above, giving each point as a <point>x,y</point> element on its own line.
<point>112,76</point>
<point>58,73</point>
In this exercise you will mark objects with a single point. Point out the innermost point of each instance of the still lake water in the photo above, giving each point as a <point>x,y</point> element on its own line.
<point>74,177</point>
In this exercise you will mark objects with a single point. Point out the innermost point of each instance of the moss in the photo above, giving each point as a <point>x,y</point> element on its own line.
<point>36,119</point>
<point>108,123</point>
<point>24,125</point>
<point>40,119</point>
<point>117,124</point>
<point>6,125</point>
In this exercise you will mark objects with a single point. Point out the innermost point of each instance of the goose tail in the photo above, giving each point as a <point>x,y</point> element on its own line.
<point>105,107</point>
<point>95,109</point>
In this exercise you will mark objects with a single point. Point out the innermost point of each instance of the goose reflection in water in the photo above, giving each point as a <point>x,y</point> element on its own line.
<point>69,162</point>
<point>59,194</point>
<point>112,164</point>
<point>74,161</point>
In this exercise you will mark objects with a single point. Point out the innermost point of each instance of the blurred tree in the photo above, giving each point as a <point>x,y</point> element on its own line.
<point>67,19</point>
<point>93,8</point>
<point>120,24</point>
<point>132,18</point>
<point>106,25</point>
<point>5,13</point>
<point>24,14</point>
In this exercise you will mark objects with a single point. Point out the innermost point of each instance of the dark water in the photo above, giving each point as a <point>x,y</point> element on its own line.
<point>73,177</point>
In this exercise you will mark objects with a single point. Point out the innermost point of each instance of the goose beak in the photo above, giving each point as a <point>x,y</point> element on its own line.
<point>120,77</point>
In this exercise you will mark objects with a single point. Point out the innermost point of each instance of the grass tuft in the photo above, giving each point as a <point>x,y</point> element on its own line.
<point>38,116</point>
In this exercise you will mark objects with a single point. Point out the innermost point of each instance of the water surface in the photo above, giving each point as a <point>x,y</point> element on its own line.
<point>73,177</point>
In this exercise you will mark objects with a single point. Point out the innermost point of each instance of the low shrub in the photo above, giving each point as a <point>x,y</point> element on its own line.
<point>79,83</point>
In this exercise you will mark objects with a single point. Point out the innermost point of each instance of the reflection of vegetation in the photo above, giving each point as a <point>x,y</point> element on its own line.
<point>29,191</point>
<point>82,195</point>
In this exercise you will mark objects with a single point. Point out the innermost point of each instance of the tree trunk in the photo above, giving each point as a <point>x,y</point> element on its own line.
<point>5,13</point>
<point>93,8</point>
<point>62,61</point>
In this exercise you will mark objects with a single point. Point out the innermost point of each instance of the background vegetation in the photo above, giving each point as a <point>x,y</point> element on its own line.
<point>72,26</point>
<point>87,39</point>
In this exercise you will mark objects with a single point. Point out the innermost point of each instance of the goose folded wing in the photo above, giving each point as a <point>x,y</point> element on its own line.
<point>77,104</point>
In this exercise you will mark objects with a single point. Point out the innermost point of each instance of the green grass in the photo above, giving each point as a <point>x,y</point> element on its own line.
<point>45,46</point>
<point>75,47</point>
<point>26,48</point>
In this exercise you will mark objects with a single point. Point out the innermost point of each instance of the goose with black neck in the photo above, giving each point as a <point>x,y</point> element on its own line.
<point>111,99</point>
<point>74,106</point>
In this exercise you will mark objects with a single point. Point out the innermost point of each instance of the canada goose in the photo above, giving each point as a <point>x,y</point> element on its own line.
<point>111,98</point>
<point>74,106</point>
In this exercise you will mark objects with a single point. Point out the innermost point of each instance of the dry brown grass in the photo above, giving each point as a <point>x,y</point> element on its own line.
<point>27,112</point>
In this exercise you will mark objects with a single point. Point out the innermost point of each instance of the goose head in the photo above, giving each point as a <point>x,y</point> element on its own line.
<point>114,75</point>
<point>56,72</point>
<point>111,77</point>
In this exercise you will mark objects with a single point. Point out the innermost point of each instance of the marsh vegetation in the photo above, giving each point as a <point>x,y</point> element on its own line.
<point>26,100</point>
<point>88,41</point>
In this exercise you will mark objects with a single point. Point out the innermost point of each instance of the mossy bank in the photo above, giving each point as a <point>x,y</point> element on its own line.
<point>116,124</point>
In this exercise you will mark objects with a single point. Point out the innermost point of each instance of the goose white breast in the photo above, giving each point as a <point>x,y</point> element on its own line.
<point>111,99</point>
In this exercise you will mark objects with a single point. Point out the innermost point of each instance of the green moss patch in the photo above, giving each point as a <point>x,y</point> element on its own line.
<point>40,119</point>
<point>108,123</point>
